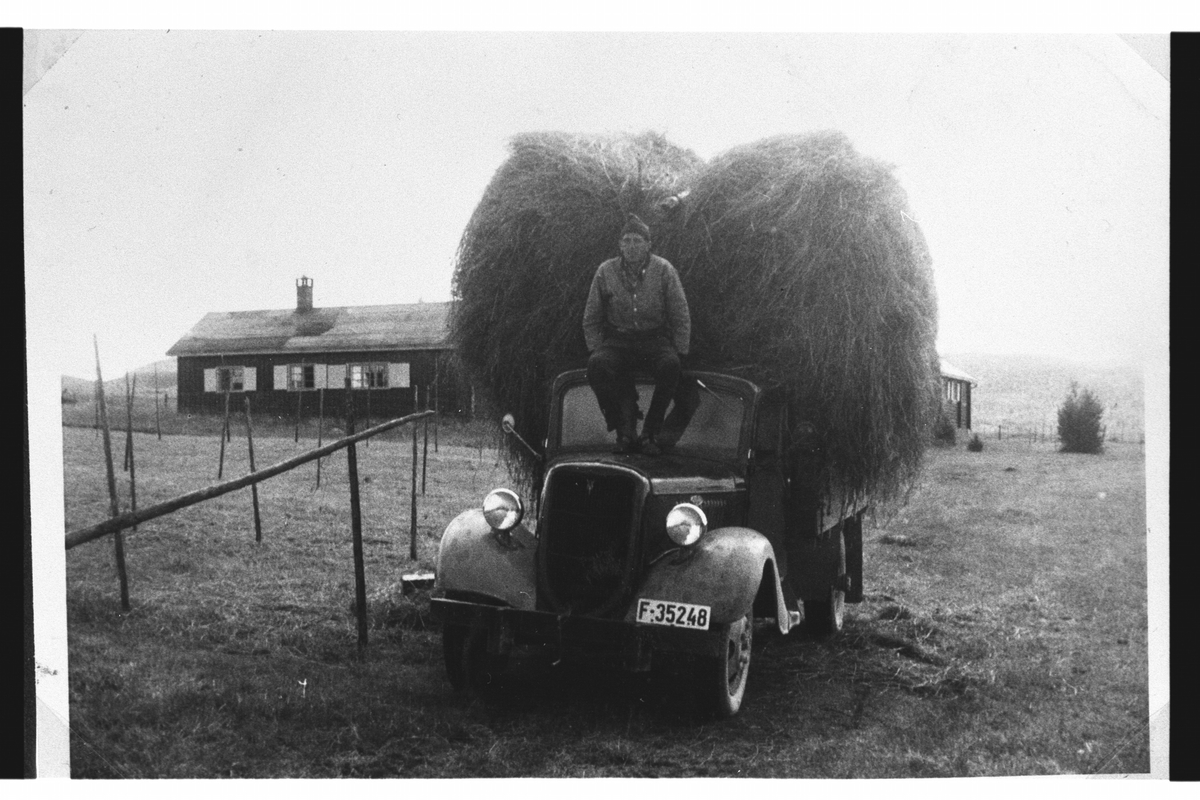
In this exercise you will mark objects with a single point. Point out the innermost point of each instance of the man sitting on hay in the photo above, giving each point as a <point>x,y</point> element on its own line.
<point>636,320</point>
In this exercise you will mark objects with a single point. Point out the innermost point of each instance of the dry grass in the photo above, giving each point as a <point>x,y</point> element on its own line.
<point>798,259</point>
<point>1008,637</point>
<point>550,215</point>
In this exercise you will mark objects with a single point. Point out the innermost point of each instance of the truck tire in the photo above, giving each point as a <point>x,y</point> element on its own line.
<point>454,639</point>
<point>721,681</point>
<point>825,616</point>
<point>482,671</point>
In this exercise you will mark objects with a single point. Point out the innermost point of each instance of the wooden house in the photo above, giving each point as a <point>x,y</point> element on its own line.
<point>394,358</point>
<point>956,394</point>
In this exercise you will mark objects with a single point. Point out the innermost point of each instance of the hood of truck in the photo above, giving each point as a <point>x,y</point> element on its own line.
<point>668,474</point>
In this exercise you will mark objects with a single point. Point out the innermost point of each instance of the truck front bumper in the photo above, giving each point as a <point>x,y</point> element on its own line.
<point>625,645</point>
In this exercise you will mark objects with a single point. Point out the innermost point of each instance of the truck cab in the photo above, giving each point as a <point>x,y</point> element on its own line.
<point>664,562</point>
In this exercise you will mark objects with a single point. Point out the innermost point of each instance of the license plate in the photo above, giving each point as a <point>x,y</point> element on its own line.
<point>679,615</point>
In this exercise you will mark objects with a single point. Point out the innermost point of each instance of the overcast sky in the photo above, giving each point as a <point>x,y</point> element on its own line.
<point>170,174</point>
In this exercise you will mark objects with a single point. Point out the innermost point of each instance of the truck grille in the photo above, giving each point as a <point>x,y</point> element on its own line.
<point>587,539</point>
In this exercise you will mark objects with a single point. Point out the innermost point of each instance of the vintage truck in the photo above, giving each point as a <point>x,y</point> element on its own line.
<point>663,563</point>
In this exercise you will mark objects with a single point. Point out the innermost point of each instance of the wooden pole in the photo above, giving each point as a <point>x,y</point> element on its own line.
<point>437,398</point>
<point>370,383</point>
<point>224,433</point>
<point>425,451</point>
<point>113,504</point>
<point>299,399</point>
<point>412,537</point>
<point>157,424</point>
<point>128,432</point>
<point>360,581</point>
<point>253,486</point>
<point>129,442</point>
<point>320,427</point>
<point>93,532</point>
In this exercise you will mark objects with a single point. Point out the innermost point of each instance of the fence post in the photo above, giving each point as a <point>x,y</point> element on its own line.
<point>320,427</point>
<point>224,434</point>
<point>360,588</point>
<point>128,432</point>
<point>299,400</point>
<point>425,451</point>
<point>253,486</point>
<point>129,442</point>
<point>157,423</point>
<point>114,506</point>
<point>412,538</point>
<point>437,398</point>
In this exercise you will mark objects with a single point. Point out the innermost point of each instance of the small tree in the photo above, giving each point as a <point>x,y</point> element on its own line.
<point>1079,422</point>
<point>944,433</point>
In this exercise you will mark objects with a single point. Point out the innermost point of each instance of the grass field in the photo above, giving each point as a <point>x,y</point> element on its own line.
<point>1004,633</point>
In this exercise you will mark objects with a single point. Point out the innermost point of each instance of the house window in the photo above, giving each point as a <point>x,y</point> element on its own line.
<point>954,391</point>
<point>300,377</point>
<point>230,379</point>
<point>368,376</point>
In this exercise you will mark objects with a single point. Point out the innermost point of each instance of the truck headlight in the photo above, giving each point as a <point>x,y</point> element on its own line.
<point>502,509</point>
<point>686,524</point>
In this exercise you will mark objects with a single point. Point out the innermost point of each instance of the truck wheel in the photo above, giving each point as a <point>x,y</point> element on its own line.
<point>481,670</point>
<point>825,617</point>
<point>721,681</point>
<point>454,638</point>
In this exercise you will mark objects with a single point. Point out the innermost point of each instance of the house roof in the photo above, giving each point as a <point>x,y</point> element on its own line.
<point>951,371</point>
<point>414,326</point>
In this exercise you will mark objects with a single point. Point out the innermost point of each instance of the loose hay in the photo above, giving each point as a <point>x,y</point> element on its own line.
<point>800,264</point>
<point>550,215</point>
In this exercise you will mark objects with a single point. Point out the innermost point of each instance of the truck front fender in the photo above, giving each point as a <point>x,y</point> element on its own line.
<point>725,570</point>
<point>474,558</point>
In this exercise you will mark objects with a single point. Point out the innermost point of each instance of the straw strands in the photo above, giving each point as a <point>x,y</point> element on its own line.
<point>548,218</point>
<point>800,263</point>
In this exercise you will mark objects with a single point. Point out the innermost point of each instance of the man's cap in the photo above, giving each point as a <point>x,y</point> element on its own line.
<point>633,224</point>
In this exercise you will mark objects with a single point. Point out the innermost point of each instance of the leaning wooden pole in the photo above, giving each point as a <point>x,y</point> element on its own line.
<point>128,431</point>
<point>101,529</point>
<point>320,428</point>
<point>224,434</point>
<point>360,580</point>
<point>412,534</point>
<point>113,504</point>
<point>157,423</point>
<point>253,486</point>
<point>129,441</point>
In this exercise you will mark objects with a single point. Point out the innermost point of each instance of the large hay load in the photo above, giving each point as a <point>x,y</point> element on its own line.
<point>800,265</point>
<point>548,218</point>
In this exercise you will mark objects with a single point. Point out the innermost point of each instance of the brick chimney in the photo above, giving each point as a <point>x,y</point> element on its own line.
<point>304,294</point>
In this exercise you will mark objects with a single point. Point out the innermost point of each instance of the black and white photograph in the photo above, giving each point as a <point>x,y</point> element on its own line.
<point>619,400</point>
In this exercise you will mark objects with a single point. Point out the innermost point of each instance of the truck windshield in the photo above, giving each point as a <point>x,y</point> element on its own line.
<point>712,431</point>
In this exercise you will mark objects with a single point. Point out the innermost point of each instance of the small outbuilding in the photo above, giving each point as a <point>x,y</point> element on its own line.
<point>395,358</point>
<point>956,394</point>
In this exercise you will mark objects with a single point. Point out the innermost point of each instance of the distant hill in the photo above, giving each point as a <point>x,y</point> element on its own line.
<point>1023,393</point>
<point>82,388</point>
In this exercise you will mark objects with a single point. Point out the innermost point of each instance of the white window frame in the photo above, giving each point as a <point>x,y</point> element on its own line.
<point>231,379</point>
<point>301,377</point>
<point>368,375</point>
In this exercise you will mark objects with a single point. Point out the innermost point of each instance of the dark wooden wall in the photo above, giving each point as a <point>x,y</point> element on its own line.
<point>452,394</point>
